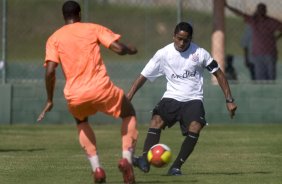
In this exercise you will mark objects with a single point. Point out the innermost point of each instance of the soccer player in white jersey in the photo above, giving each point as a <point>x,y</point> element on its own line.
<point>182,63</point>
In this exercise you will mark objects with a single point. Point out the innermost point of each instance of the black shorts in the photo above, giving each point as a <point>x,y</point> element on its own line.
<point>172,111</point>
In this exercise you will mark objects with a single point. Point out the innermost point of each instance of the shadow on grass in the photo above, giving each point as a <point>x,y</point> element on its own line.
<point>169,179</point>
<point>178,180</point>
<point>231,173</point>
<point>22,150</point>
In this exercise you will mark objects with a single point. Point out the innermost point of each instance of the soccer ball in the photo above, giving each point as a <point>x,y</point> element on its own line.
<point>159,155</point>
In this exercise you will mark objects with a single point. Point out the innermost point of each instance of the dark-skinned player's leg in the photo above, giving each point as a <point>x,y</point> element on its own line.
<point>187,148</point>
<point>129,136</point>
<point>87,141</point>
<point>152,138</point>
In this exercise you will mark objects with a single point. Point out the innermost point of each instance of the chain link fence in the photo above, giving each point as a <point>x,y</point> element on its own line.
<point>147,24</point>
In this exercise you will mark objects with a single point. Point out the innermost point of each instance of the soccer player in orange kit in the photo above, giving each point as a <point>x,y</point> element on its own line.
<point>88,88</point>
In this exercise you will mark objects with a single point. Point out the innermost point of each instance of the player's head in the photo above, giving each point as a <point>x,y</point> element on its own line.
<point>71,10</point>
<point>182,37</point>
<point>261,9</point>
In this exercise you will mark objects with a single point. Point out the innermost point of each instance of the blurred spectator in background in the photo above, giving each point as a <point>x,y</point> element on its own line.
<point>264,51</point>
<point>230,71</point>
<point>246,44</point>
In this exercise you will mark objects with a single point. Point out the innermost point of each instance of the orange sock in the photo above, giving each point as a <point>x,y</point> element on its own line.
<point>87,138</point>
<point>129,135</point>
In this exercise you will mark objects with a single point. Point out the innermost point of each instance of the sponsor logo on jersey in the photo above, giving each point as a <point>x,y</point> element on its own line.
<point>185,75</point>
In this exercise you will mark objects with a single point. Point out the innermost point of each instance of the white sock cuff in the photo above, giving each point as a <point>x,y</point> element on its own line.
<point>94,161</point>
<point>127,155</point>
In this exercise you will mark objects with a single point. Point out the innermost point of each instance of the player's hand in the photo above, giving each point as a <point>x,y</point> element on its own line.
<point>231,108</point>
<point>48,107</point>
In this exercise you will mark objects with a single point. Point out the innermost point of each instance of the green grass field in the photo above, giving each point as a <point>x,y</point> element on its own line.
<point>239,154</point>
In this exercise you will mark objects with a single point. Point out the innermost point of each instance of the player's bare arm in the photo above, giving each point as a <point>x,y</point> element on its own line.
<point>223,83</point>
<point>122,49</point>
<point>50,80</point>
<point>137,84</point>
<point>234,10</point>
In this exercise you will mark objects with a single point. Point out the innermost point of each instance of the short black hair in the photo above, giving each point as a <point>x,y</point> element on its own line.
<point>262,5</point>
<point>71,9</point>
<point>184,26</point>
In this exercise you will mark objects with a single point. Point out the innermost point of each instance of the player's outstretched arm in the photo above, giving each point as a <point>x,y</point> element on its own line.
<point>50,80</point>
<point>223,83</point>
<point>137,84</point>
<point>234,10</point>
<point>122,49</point>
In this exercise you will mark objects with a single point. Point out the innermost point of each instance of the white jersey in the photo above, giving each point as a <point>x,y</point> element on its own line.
<point>183,71</point>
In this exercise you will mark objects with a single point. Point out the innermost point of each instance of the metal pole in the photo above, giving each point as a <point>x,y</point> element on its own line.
<point>4,40</point>
<point>179,11</point>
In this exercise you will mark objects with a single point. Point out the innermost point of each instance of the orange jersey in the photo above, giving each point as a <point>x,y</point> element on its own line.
<point>77,48</point>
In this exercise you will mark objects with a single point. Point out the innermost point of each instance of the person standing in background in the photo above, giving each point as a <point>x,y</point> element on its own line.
<point>264,37</point>
<point>246,43</point>
<point>230,71</point>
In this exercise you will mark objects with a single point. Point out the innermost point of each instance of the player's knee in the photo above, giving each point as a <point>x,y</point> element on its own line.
<point>195,127</point>
<point>78,121</point>
<point>157,122</point>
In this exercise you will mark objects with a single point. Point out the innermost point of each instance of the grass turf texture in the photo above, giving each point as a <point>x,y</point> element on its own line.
<point>32,154</point>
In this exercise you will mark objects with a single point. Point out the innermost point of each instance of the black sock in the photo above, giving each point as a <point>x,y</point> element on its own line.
<point>186,149</point>
<point>153,137</point>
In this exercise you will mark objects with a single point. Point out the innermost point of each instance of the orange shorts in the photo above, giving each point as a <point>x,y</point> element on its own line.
<point>109,104</point>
